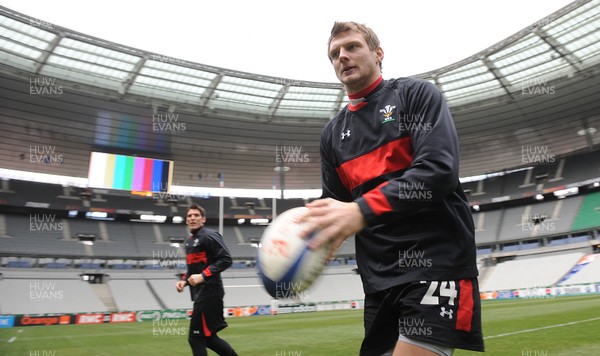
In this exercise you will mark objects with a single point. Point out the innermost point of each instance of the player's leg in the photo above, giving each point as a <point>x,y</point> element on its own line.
<point>198,345</point>
<point>220,346</point>
<point>410,347</point>
<point>197,337</point>
<point>381,325</point>
<point>213,321</point>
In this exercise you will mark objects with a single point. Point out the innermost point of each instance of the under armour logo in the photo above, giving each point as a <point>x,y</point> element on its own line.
<point>446,312</point>
<point>345,134</point>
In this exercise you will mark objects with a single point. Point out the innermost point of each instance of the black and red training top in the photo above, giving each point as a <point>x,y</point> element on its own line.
<point>206,254</point>
<point>394,150</point>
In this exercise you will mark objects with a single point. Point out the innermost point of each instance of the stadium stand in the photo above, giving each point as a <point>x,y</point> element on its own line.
<point>337,283</point>
<point>166,231</point>
<point>244,288</point>
<point>539,219</point>
<point>287,204</point>
<point>133,294</point>
<point>24,292</point>
<point>487,225</point>
<point>64,292</point>
<point>590,273</point>
<point>21,238</point>
<point>116,239</point>
<point>588,215</point>
<point>542,271</point>
<point>247,233</point>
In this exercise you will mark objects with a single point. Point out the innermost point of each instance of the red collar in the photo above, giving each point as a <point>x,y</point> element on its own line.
<point>367,90</point>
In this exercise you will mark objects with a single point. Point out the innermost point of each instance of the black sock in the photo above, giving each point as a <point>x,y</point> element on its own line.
<point>198,345</point>
<point>220,346</point>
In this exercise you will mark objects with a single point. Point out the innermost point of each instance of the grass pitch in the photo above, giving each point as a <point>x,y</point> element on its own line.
<point>546,326</point>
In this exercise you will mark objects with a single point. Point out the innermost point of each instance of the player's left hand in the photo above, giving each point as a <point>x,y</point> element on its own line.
<point>334,220</point>
<point>195,279</point>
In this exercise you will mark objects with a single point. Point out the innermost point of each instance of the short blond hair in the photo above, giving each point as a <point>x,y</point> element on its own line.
<point>369,35</point>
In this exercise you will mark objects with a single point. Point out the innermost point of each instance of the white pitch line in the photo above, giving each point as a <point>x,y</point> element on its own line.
<point>83,335</point>
<point>542,328</point>
<point>12,339</point>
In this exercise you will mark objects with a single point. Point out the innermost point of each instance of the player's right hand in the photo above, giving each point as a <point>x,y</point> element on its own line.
<point>180,285</point>
<point>333,222</point>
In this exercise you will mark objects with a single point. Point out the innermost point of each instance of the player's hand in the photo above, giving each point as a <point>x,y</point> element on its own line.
<point>180,285</point>
<point>195,279</point>
<point>334,220</point>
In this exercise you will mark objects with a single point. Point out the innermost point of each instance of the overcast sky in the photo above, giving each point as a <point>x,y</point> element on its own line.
<point>289,38</point>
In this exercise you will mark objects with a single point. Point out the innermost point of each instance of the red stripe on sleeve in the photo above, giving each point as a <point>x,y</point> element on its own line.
<point>377,200</point>
<point>465,305</point>
<point>207,272</point>
<point>391,157</point>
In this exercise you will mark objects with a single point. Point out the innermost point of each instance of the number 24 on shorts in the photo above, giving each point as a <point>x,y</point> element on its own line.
<point>447,289</point>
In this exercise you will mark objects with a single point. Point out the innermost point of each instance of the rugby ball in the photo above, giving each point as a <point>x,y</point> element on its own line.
<point>286,266</point>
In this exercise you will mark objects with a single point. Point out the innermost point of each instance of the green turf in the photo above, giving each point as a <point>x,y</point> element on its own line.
<point>570,326</point>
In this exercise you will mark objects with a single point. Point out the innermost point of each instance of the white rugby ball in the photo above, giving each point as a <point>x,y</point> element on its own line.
<point>286,266</point>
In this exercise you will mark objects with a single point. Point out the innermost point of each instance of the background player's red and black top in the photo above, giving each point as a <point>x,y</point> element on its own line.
<point>394,150</point>
<point>206,254</point>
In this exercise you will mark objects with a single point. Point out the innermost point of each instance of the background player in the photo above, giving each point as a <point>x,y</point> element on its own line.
<point>206,257</point>
<point>390,175</point>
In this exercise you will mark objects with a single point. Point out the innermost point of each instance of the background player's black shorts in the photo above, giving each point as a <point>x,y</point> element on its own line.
<point>207,317</point>
<point>446,313</point>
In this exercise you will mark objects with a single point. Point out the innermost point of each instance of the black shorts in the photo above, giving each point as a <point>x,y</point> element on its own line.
<point>207,317</point>
<point>437,312</point>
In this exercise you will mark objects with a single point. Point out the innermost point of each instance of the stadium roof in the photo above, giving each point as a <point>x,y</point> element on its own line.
<point>538,87</point>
